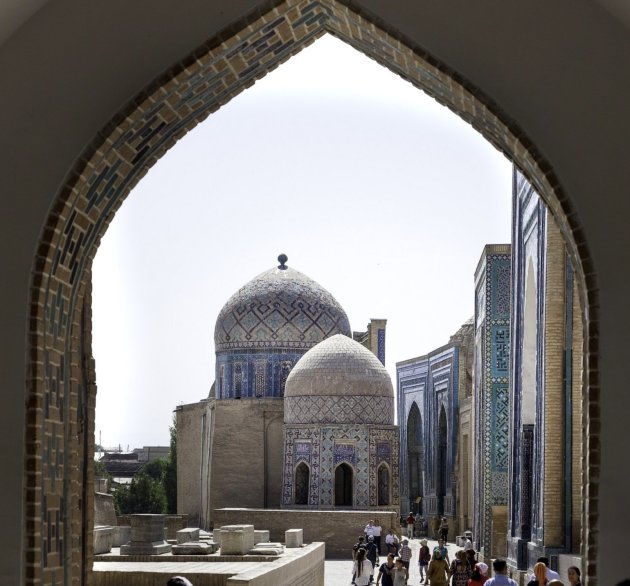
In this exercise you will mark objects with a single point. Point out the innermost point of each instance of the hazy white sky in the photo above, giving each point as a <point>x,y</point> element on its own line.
<point>368,185</point>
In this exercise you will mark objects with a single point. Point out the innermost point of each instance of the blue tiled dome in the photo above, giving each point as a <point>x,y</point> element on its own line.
<point>280,308</point>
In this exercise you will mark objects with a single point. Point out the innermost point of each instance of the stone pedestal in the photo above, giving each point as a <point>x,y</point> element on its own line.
<point>261,536</point>
<point>122,535</point>
<point>193,548</point>
<point>294,538</point>
<point>236,539</point>
<point>147,536</point>
<point>103,539</point>
<point>187,535</point>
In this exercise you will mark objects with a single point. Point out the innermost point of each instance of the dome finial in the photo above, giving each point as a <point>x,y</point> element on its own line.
<point>282,259</point>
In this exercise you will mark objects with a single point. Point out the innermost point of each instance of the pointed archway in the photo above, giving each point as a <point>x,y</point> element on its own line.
<point>441,460</point>
<point>415,457</point>
<point>61,373</point>
<point>344,485</point>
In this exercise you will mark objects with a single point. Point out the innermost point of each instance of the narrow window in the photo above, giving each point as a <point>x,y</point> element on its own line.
<point>302,475</point>
<point>383,486</point>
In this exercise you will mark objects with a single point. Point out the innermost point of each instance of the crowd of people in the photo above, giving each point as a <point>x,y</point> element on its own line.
<point>434,565</point>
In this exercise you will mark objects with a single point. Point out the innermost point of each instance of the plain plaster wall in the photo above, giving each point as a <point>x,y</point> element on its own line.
<point>559,69</point>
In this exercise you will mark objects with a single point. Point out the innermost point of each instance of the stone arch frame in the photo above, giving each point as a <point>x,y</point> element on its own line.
<point>123,151</point>
<point>415,411</point>
<point>441,461</point>
<point>387,467</point>
<point>306,465</point>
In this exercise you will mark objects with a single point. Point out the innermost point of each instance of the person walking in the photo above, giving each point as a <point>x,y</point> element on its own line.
<point>478,575</point>
<point>424,557</point>
<point>500,575</point>
<point>376,532</point>
<point>444,529</point>
<point>437,572</point>
<point>444,551</point>
<point>460,569</point>
<point>401,574</point>
<point>386,572</point>
<point>372,554</point>
<point>362,569</point>
<point>405,554</point>
<point>540,575</point>
<point>410,524</point>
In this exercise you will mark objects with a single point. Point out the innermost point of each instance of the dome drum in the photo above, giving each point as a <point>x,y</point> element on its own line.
<point>339,381</point>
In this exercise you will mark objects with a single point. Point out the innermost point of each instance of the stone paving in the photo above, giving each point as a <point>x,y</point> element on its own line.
<point>339,572</point>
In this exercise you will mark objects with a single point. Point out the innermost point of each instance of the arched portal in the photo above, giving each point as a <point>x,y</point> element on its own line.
<point>344,477</point>
<point>441,460</point>
<point>415,457</point>
<point>302,477</point>
<point>383,485</point>
<point>121,153</point>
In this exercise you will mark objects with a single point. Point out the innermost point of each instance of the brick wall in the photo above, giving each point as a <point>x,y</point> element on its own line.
<point>338,529</point>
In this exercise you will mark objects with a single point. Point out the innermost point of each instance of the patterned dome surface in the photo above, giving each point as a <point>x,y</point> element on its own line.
<point>339,381</point>
<point>280,308</point>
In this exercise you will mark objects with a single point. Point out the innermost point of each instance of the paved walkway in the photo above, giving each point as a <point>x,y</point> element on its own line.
<point>339,572</point>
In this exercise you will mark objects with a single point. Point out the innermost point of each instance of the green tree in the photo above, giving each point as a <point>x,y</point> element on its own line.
<point>156,469</point>
<point>143,495</point>
<point>170,475</point>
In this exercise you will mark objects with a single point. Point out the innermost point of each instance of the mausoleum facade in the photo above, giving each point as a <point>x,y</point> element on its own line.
<point>235,437</point>
<point>341,444</point>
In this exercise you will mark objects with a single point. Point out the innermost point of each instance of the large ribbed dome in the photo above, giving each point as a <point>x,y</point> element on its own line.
<point>280,308</point>
<point>339,381</point>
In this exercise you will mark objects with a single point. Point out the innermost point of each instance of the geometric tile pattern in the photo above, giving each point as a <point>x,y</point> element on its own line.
<point>262,372</point>
<point>280,308</point>
<point>380,353</point>
<point>355,445</point>
<point>493,360</point>
<point>339,409</point>
<point>428,384</point>
<point>118,156</point>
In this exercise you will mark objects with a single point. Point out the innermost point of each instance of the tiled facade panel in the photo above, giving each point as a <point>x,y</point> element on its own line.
<point>491,395</point>
<point>542,519</point>
<point>364,448</point>
<point>427,387</point>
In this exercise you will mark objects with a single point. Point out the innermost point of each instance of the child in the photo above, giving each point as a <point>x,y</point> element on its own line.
<point>400,574</point>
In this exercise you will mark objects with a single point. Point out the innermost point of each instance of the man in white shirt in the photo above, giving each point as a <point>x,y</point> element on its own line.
<point>551,574</point>
<point>376,532</point>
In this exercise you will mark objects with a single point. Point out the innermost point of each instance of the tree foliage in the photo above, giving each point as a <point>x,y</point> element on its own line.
<point>170,475</point>
<point>144,495</point>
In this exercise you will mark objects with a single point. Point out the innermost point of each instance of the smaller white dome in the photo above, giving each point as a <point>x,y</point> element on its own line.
<point>339,381</point>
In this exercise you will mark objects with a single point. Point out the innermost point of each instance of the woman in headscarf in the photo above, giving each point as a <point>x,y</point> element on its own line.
<point>540,575</point>
<point>437,572</point>
<point>478,577</point>
<point>460,569</point>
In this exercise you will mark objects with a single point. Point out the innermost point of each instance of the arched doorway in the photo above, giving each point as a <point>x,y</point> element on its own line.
<point>415,458</point>
<point>302,477</point>
<point>344,479</point>
<point>383,486</point>
<point>441,460</point>
<point>119,156</point>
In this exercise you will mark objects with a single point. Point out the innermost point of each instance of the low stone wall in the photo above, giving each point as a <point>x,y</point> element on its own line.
<point>338,529</point>
<point>303,566</point>
<point>172,524</point>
